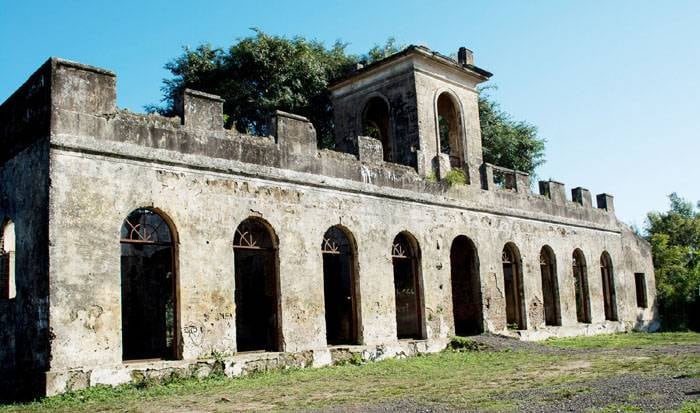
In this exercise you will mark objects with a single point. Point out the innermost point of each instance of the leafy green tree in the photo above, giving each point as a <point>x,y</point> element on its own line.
<point>262,73</point>
<point>675,240</point>
<point>507,142</point>
<point>258,75</point>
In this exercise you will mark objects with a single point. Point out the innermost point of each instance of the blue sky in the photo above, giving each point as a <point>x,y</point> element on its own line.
<point>614,86</point>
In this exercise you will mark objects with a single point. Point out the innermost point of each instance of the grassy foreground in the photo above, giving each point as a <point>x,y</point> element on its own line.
<point>463,380</point>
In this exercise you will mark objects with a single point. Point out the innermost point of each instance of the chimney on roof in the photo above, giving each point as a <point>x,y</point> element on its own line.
<point>465,56</point>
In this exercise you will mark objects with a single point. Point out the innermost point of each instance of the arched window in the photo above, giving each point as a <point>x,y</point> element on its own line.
<point>606,271</point>
<point>149,300</point>
<point>405,256</point>
<point>450,129</point>
<point>583,301</point>
<point>257,287</point>
<point>7,261</point>
<point>339,286</point>
<point>376,123</point>
<point>466,287</point>
<point>550,286</point>
<point>513,283</point>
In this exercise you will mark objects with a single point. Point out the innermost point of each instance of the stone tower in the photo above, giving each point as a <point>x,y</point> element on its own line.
<point>421,105</point>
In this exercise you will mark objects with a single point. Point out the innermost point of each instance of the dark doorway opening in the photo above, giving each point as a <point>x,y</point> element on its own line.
<point>257,287</point>
<point>466,287</point>
<point>339,283</point>
<point>606,271</point>
<point>583,301</point>
<point>513,283</point>
<point>148,283</point>
<point>550,287</point>
<point>376,123</point>
<point>405,256</point>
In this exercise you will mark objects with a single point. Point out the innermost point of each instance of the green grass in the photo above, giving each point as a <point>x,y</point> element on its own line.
<point>692,406</point>
<point>623,340</point>
<point>465,380</point>
<point>617,408</point>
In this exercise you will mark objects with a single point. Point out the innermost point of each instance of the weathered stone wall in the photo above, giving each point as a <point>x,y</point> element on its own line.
<point>24,149</point>
<point>24,328</point>
<point>104,163</point>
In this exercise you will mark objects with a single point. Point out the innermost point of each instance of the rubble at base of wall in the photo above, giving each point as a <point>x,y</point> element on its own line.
<point>163,371</point>
<point>579,330</point>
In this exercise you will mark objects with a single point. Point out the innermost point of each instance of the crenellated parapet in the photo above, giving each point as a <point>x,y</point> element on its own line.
<point>84,114</point>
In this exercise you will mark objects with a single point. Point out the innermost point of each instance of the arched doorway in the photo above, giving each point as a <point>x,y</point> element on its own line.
<point>450,133</point>
<point>405,256</point>
<point>257,287</point>
<point>148,287</point>
<point>550,286</point>
<point>339,286</point>
<point>376,123</point>
<point>583,301</point>
<point>466,287</point>
<point>606,271</point>
<point>513,283</point>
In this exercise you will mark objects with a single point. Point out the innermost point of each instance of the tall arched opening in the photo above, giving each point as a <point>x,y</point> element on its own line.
<point>450,131</point>
<point>606,272</point>
<point>376,123</point>
<point>583,301</point>
<point>339,286</point>
<point>148,287</point>
<point>405,256</point>
<point>257,287</point>
<point>466,287</point>
<point>550,287</point>
<point>513,284</point>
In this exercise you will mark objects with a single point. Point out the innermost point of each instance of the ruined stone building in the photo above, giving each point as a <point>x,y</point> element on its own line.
<point>138,246</point>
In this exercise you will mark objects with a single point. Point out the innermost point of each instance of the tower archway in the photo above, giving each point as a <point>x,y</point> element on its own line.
<point>450,129</point>
<point>376,123</point>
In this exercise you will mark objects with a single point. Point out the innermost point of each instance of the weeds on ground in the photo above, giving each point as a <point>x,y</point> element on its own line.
<point>440,378</point>
<point>458,343</point>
